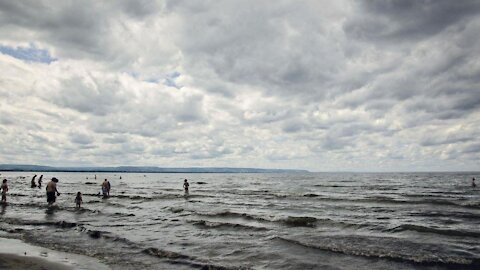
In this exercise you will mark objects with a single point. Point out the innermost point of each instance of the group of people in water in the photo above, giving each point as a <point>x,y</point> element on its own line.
<point>52,191</point>
<point>40,179</point>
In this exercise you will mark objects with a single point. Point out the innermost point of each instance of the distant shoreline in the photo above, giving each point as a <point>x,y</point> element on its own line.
<point>140,171</point>
<point>134,169</point>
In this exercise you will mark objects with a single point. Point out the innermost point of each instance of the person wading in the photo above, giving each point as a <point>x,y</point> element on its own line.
<point>52,191</point>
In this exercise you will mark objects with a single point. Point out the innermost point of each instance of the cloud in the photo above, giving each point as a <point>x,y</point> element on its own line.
<point>321,85</point>
<point>410,20</point>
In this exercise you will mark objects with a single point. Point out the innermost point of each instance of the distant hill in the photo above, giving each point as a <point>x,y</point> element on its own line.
<point>141,169</point>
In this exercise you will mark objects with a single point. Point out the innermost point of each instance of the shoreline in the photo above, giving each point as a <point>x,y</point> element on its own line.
<point>16,254</point>
<point>17,262</point>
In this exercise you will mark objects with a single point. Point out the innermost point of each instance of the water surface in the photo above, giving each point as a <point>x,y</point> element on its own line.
<point>255,221</point>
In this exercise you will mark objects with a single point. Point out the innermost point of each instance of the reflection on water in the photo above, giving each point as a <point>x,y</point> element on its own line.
<point>3,206</point>
<point>50,212</point>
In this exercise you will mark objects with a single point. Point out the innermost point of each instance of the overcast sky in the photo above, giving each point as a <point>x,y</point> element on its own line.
<point>317,85</point>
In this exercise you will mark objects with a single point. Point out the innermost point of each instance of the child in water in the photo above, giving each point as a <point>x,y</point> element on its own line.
<point>78,199</point>
<point>185,186</point>
<point>4,191</point>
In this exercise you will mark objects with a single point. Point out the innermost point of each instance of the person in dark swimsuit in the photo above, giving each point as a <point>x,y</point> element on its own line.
<point>186,185</point>
<point>40,181</point>
<point>4,188</point>
<point>33,181</point>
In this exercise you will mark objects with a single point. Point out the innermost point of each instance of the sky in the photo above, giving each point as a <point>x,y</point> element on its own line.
<point>317,85</point>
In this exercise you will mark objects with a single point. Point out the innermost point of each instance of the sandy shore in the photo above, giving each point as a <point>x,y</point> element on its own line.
<point>17,262</point>
<point>16,254</point>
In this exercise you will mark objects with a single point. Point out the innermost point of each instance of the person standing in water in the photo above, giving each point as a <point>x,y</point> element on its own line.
<point>106,188</point>
<point>185,186</point>
<point>52,190</point>
<point>78,200</point>
<point>473,182</point>
<point>4,191</point>
<point>40,181</point>
<point>33,181</point>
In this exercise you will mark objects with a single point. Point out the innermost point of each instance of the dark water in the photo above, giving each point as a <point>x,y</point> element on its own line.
<point>256,221</point>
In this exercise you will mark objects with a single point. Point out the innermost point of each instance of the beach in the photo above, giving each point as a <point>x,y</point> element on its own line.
<point>18,255</point>
<point>16,262</point>
<point>286,221</point>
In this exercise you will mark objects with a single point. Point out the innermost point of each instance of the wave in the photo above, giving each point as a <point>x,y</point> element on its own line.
<point>54,208</point>
<point>311,195</point>
<point>407,200</point>
<point>162,196</point>
<point>290,221</point>
<point>336,186</point>
<point>462,215</point>
<point>300,221</point>
<point>375,249</point>
<point>233,215</point>
<point>472,204</point>
<point>423,229</point>
<point>387,200</point>
<point>178,258</point>
<point>21,222</point>
<point>171,256</point>
<point>18,195</point>
<point>221,225</point>
<point>82,227</point>
<point>430,200</point>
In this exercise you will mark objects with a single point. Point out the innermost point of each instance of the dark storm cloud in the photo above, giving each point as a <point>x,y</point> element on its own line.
<point>408,20</point>
<point>140,9</point>
<point>220,37</point>
<point>66,23</point>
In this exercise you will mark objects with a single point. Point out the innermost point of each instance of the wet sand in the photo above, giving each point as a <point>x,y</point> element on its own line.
<point>17,262</point>
<point>16,254</point>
